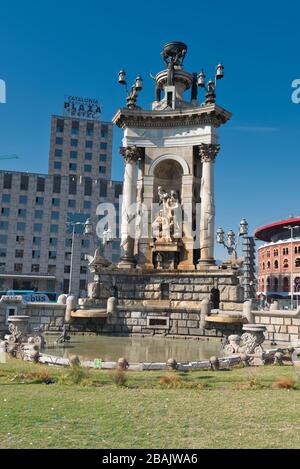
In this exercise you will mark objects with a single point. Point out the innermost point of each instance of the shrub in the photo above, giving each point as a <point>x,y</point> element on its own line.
<point>118,377</point>
<point>284,383</point>
<point>170,380</point>
<point>77,374</point>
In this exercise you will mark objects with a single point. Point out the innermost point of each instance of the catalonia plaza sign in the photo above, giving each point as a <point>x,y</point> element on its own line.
<point>84,108</point>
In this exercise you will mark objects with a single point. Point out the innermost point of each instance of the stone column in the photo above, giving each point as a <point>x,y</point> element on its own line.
<point>207,153</point>
<point>130,155</point>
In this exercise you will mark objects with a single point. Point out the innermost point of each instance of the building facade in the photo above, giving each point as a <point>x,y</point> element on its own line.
<point>279,259</point>
<point>36,209</point>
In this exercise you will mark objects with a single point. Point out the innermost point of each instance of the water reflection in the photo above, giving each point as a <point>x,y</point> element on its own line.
<point>135,349</point>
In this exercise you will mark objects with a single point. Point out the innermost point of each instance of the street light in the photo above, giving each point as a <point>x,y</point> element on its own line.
<point>210,85</point>
<point>231,244</point>
<point>88,227</point>
<point>135,88</point>
<point>292,228</point>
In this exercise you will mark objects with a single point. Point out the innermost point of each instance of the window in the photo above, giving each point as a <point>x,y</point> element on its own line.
<point>275,252</point>
<point>2,266</point>
<point>276,264</point>
<point>59,125</point>
<point>2,252</point>
<point>75,127</point>
<point>56,184</point>
<point>263,266</point>
<point>6,198</point>
<point>72,203</point>
<point>285,264</point>
<point>285,251</point>
<point>87,204</point>
<point>38,214</point>
<point>72,185</point>
<point>36,254</point>
<point>21,226</point>
<point>58,152</point>
<point>53,241</point>
<point>39,200</point>
<point>115,258</point>
<point>19,253</point>
<point>67,256</point>
<point>82,284</point>
<point>20,239</point>
<point>268,283</point>
<point>36,240</point>
<point>55,202</point>
<point>104,131</point>
<point>83,269</point>
<point>52,254</point>
<point>3,239</point>
<point>103,189</point>
<point>103,145</point>
<point>59,140</point>
<point>24,182</point>
<point>115,244</point>
<point>88,168</point>
<point>74,142</point>
<point>268,253</point>
<point>89,128</point>
<point>51,269</point>
<point>68,243</point>
<point>54,215</point>
<point>18,267</point>
<point>7,181</point>
<point>67,269</point>
<point>88,156</point>
<point>297,262</point>
<point>66,285</point>
<point>40,184</point>
<point>268,265</point>
<point>22,212</point>
<point>165,291</point>
<point>57,165</point>
<point>103,157</point>
<point>89,144</point>
<point>53,228</point>
<point>73,154</point>
<point>102,169</point>
<point>5,211</point>
<point>73,167</point>
<point>85,243</point>
<point>37,227</point>
<point>286,284</point>
<point>88,186</point>
<point>35,268</point>
<point>23,199</point>
<point>118,190</point>
<point>3,225</point>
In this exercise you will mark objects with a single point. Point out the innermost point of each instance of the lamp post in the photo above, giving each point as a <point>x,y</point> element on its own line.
<point>210,85</point>
<point>292,228</point>
<point>231,244</point>
<point>87,229</point>
<point>134,90</point>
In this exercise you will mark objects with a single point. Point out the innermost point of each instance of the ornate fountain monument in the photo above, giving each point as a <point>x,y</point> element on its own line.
<point>167,280</point>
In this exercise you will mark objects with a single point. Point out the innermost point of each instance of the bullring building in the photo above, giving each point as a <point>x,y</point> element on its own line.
<point>36,209</point>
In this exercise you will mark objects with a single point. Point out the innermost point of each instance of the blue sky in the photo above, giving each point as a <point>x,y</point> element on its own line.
<point>52,49</point>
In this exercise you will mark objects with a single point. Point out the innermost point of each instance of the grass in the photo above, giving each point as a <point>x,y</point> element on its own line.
<point>236,408</point>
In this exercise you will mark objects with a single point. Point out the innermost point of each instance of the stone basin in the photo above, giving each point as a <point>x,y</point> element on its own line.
<point>90,313</point>
<point>254,328</point>
<point>21,322</point>
<point>225,319</point>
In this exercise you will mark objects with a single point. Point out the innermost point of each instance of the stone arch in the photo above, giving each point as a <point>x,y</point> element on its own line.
<point>179,159</point>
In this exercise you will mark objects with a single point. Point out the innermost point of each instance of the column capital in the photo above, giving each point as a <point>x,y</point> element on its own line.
<point>131,154</point>
<point>208,152</point>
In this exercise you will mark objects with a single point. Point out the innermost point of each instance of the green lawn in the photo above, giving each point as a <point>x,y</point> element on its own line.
<point>235,408</point>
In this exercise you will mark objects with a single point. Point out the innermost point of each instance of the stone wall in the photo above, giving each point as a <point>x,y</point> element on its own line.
<point>282,325</point>
<point>48,315</point>
<point>187,289</point>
